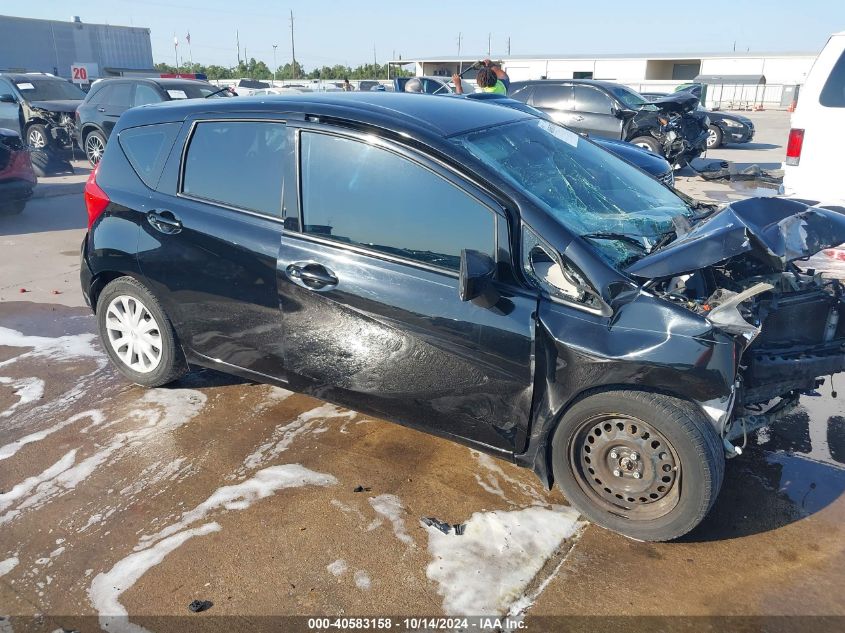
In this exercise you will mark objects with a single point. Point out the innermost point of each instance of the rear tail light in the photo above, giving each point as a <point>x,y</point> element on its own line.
<point>793,146</point>
<point>96,199</point>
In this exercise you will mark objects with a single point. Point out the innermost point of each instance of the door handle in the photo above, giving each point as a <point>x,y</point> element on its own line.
<point>101,109</point>
<point>164,222</point>
<point>311,275</point>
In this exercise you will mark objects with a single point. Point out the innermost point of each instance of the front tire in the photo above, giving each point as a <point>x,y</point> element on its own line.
<point>648,142</point>
<point>137,335</point>
<point>714,137</point>
<point>36,136</point>
<point>645,465</point>
<point>94,145</point>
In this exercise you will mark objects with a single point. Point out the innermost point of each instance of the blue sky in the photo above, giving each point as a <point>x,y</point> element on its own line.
<point>345,32</point>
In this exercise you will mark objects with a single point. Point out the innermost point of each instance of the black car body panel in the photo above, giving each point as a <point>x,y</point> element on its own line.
<point>776,231</point>
<point>673,123</point>
<point>388,334</point>
<point>17,179</point>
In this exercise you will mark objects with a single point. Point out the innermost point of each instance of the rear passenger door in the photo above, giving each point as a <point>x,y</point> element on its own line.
<point>210,239</point>
<point>368,282</point>
<point>596,111</point>
<point>116,100</point>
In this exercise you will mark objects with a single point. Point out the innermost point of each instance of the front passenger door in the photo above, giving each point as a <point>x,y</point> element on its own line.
<point>368,284</point>
<point>597,110</point>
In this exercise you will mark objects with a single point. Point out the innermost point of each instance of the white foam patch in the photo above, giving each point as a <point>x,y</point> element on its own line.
<point>8,565</point>
<point>164,410</point>
<point>106,588</point>
<point>487,569</point>
<point>26,389</point>
<point>284,435</point>
<point>491,483</point>
<point>69,347</point>
<point>362,580</point>
<point>242,495</point>
<point>10,449</point>
<point>390,507</point>
<point>338,567</point>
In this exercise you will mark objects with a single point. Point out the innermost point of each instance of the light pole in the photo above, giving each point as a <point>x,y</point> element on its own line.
<point>274,64</point>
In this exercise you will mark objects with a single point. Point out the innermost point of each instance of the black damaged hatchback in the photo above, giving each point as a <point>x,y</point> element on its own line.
<point>466,269</point>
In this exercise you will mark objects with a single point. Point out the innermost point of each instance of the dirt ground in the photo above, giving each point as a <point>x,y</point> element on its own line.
<point>119,506</point>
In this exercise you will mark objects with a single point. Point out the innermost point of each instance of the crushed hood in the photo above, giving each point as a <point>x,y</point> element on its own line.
<point>65,105</point>
<point>775,230</point>
<point>679,102</point>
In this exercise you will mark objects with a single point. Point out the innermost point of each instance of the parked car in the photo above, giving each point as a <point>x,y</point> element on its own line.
<point>40,108</point>
<point>724,128</point>
<point>651,163</point>
<point>670,127</point>
<point>109,98</point>
<point>814,161</point>
<point>468,269</point>
<point>17,179</point>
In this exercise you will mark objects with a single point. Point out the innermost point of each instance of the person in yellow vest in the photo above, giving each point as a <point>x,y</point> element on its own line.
<point>490,78</point>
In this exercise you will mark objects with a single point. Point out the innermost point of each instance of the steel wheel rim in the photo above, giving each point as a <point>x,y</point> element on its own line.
<point>133,334</point>
<point>644,146</point>
<point>36,139</point>
<point>711,138</point>
<point>626,466</point>
<point>94,148</point>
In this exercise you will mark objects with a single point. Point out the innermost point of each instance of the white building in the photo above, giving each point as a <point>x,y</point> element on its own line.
<point>781,72</point>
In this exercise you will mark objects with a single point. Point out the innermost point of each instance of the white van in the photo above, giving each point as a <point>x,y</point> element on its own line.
<point>815,152</point>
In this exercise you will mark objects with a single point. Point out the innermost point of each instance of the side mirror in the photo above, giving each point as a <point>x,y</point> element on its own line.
<point>7,98</point>
<point>476,279</point>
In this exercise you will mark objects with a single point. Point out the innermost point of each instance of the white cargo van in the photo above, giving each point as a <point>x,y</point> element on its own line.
<point>815,154</point>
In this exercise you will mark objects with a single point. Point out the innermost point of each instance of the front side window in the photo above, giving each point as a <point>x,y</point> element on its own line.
<point>589,99</point>
<point>620,209</point>
<point>238,164</point>
<point>357,193</point>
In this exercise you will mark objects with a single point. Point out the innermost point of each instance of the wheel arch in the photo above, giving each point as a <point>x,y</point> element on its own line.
<point>539,459</point>
<point>104,278</point>
<point>87,128</point>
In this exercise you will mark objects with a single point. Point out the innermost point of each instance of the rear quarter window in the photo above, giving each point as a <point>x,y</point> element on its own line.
<point>147,147</point>
<point>833,93</point>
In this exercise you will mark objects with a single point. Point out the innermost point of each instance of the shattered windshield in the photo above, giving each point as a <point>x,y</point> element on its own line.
<point>621,210</point>
<point>632,100</point>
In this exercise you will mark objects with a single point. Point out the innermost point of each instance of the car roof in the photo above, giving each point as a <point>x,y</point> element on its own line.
<point>433,114</point>
<point>22,77</point>
<point>161,81</point>
<point>599,83</point>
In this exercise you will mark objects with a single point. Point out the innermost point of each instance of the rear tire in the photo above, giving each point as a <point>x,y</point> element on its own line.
<point>94,146</point>
<point>714,137</point>
<point>649,143</point>
<point>137,335</point>
<point>645,465</point>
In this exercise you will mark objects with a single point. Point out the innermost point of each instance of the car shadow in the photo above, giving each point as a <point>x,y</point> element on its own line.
<point>752,146</point>
<point>780,482</point>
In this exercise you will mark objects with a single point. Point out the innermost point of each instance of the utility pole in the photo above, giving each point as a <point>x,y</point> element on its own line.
<point>509,46</point>
<point>489,39</point>
<point>460,62</point>
<point>292,50</point>
<point>238,41</point>
<point>375,63</point>
<point>274,64</point>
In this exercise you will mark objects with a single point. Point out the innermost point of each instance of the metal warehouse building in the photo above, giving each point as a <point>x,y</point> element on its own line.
<point>734,79</point>
<point>51,46</point>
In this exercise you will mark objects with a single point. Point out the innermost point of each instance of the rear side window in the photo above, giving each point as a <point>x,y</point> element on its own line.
<point>145,94</point>
<point>356,193</point>
<point>237,163</point>
<point>95,97</point>
<point>833,93</point>
<point>119,95</point>
<point>147,147</point>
